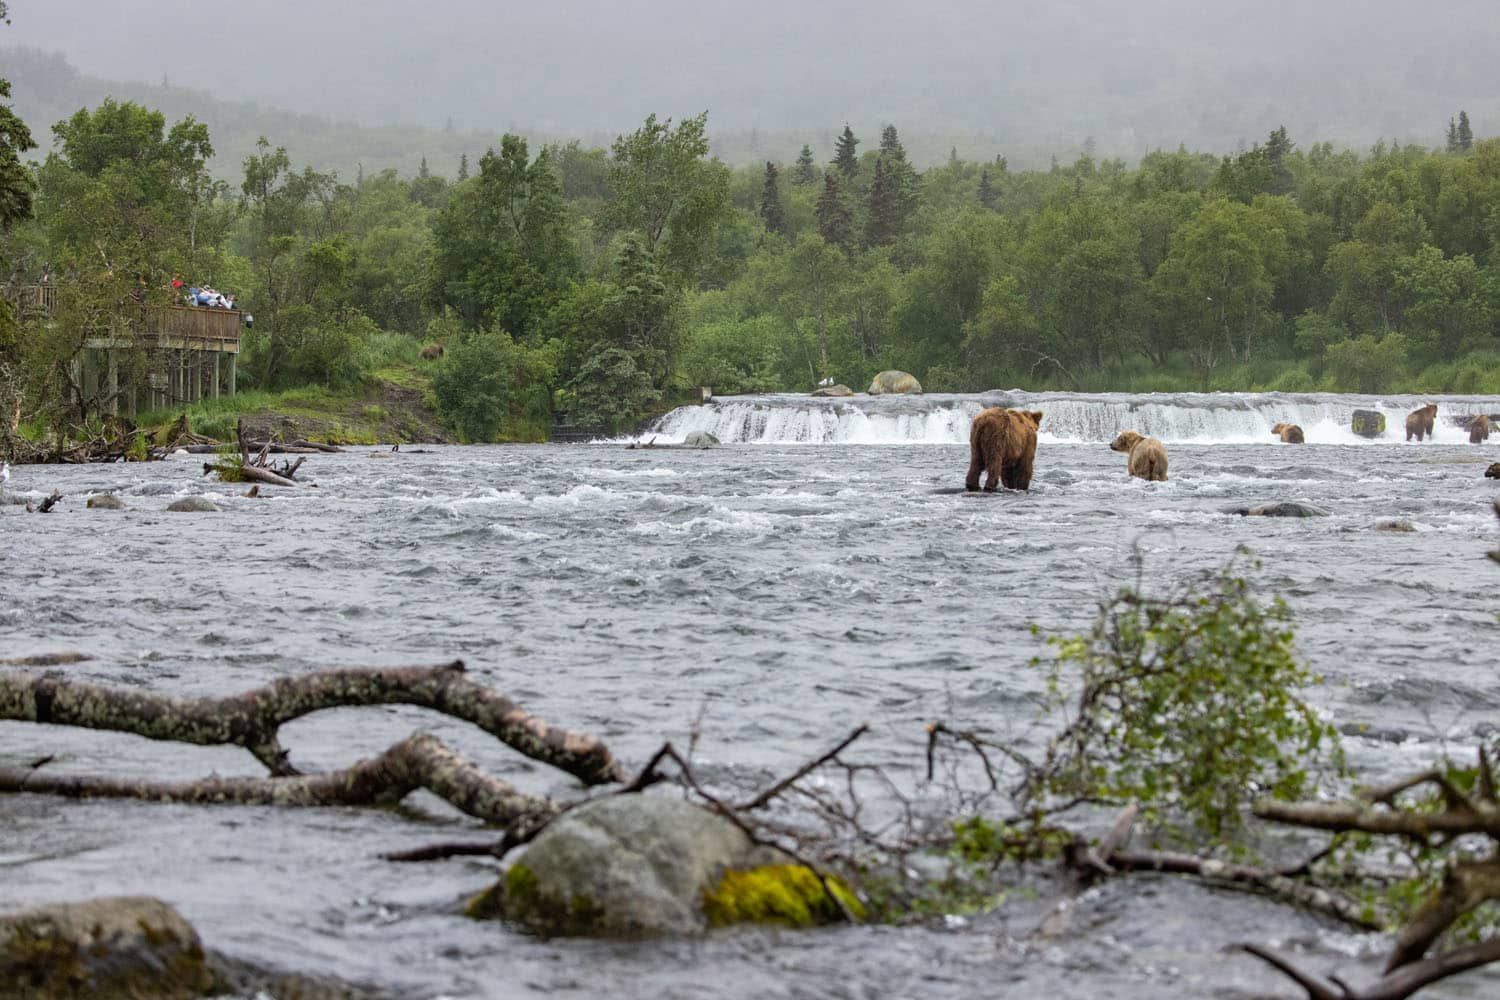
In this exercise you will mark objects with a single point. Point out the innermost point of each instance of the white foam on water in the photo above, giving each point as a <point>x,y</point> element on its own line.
<point>1182,418</point>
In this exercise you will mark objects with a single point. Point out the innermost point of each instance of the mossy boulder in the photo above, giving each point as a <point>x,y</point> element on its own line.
<point>894,382</point>
<point>1367,423</point>
<point>635,866</point>
<point>106,501</point>
<point>833,390</point>
<point>109,949</point>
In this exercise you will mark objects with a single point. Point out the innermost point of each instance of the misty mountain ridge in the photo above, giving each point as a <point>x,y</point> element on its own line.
<point>389,87</point>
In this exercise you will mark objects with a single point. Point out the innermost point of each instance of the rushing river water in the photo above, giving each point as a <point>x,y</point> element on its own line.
<point>809,576</point>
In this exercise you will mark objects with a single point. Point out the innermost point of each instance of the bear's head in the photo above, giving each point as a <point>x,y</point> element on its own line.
<point>1277,429</point>
<point>1126,441</point>
<point>1430,410</point>
<point>1033,416</point>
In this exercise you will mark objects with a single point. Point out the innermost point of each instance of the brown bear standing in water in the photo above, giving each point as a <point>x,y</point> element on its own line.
<point>1289,433</point>
<point>1419,422</point>
<point>432,352</point>
<point>1479,429</point>
<point>1003,443</point>
<point>1148,456</point>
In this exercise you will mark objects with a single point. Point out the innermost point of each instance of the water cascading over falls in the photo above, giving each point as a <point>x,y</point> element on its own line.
<point>939,418</point>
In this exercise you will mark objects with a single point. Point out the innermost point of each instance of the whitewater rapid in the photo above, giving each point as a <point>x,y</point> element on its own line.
<point>943,418</point>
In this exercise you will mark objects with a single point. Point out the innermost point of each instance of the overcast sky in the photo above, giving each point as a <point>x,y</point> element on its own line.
<point>580,65</point>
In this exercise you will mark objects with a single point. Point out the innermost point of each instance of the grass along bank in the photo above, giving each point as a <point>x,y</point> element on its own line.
<point>389,407</point>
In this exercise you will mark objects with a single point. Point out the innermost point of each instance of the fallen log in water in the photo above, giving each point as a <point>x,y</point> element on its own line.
<point>230,472</point>
<point>252,720</point>
<point>419,761</point>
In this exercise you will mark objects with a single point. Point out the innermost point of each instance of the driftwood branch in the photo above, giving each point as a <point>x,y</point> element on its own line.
<point>252,719</point>
<point>419,761</point>
<point>1466,885</point>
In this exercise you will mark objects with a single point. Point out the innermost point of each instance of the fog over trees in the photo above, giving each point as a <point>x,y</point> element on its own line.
<point>1008,77</point>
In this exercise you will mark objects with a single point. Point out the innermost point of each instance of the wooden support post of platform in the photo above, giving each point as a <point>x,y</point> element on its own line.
<point>112,364</point>
<point>215,390</point>
<point>233,363</point>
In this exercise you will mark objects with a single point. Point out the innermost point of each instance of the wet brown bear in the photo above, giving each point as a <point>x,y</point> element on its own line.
<point>1419,422</point>
<point>1479,429</point>
<point>432,352</point>
<point>1003,443</point>
<point>1148,457</point>
<point>1289,433</point>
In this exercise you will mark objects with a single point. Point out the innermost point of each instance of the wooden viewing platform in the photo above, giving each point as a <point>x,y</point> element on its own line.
<point>191,352</point>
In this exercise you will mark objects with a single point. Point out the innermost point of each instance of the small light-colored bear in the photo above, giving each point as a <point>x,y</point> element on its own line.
<point>432,352</point>
<point>1147,456</point>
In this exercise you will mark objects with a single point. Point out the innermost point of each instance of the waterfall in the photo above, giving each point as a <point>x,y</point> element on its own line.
<point>937,418</point>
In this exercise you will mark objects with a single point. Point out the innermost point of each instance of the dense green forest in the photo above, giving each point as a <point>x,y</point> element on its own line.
<point>596,284</point>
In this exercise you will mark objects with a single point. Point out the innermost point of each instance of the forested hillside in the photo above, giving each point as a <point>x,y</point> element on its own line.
<point>597,283</point>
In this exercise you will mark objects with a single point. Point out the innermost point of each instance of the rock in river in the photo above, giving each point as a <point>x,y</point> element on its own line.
<point>1367,423</point>
<point>700,439</point>
<point>193,504</point>
<point>1285,508</point>
<point>112,949</point>
<point>632,866</point>
<point>833,390</point>
<point>106,501</point>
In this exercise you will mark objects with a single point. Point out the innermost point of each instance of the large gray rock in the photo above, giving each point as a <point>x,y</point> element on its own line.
<point>834,390</point>
<point>1285,508</point>
<point>632,866</point>
<point>109,949</point>
<point>106,501</point>
<point>700,439</point>
<point>894,382</point>
<point>203,504</point>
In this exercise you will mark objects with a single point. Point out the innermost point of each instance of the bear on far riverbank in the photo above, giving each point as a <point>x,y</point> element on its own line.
<point>1003,443</point>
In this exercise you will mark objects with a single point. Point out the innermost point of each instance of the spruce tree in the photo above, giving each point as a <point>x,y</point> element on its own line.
<point>882,210</point>
<point>770,203</point>
<point>834,221</point>
<point>806,172</point>
<point>890,144</point>
<point>1278,148</point>
<point>988,196</point>
<point>463,166</point>
<point>844,156</point>
<point>1452,143</point>
<point>1465,133</point>
<point>900,175</point>
<point>422,171</point>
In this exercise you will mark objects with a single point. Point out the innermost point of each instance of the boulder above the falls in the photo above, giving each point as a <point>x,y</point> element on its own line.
<point>701,439</point>
<point>112,948</point>
<point>833,390</point>
<point>634,866</point>
<point>895,382</point>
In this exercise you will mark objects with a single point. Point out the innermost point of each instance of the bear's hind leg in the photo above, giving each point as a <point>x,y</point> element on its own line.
<point>976,466</point>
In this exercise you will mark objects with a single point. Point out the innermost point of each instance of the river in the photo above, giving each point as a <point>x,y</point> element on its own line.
<point>810,575</point>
